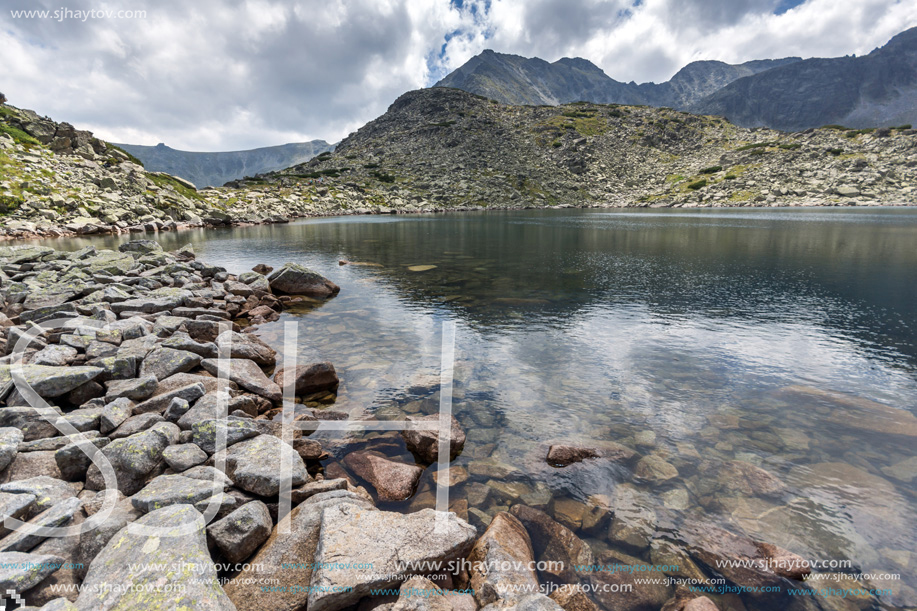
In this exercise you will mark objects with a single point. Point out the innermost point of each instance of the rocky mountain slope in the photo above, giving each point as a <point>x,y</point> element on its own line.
<point>216,169</point>
<point>442,147</point>
<point>518,80</point>
<point>877,90</point>
<point>445,149</point>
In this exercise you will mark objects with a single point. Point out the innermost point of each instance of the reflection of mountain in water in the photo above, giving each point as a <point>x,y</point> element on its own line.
<point>851,272</point>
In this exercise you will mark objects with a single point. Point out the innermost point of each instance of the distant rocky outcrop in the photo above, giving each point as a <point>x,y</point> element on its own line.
<point>790,94</point>
<point>216,169</point>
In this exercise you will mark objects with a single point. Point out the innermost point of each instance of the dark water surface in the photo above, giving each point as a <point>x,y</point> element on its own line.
<point>709,339</point>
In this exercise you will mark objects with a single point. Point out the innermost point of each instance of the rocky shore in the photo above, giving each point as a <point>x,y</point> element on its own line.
<point>440,150</point>
<point>113,412</point>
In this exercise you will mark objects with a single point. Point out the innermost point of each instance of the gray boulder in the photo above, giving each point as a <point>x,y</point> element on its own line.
<point>294,279</point>
<point>10,438</point>
<point>130,561</point>
<point>184,456</point>
<point>246,346</point>
<point>35,423</point>
<point>353,537</point>
<point>164,362</point>
<point>92,541</point>
<point>74,459</point>
<point>240,533</point>
<point>168,490</point>
<point>133,458</point>
<point>254,465</point>
<point>137,389</point>
<point>14,506</point>
<point>136,424</point>
<point>206,432</point>
<point>55,355</point>
<point>248,375</point>
<point>20,571</point>
<point>158,403</point>
<point>49,381</point>
<point>114,414</point>
<point>26,537</point>
<point>48,491</point>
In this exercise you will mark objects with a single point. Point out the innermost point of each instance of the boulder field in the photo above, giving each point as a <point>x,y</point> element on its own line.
<point>145,465</point>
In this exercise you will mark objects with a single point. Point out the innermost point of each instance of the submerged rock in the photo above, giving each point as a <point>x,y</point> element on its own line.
<point>553,543</point>
<point>392,480</point>
<point>501,567</point>
<point>655,469</point>
<point>741,560</point>
<point>562,456</point>
<point>425,444</point>
<point>309,379</point>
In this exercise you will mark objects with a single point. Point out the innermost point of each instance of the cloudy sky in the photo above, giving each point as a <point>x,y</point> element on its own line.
<point>209,75</point>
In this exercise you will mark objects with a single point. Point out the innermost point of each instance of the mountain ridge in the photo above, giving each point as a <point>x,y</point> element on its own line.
<point>790,94</point>
<point>213,169</point>
<point>534,81</point>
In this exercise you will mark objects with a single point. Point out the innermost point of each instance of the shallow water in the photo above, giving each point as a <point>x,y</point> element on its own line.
<point>786,339</point>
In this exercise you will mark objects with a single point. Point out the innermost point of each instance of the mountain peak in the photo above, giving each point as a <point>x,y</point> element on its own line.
<point>876,90</point>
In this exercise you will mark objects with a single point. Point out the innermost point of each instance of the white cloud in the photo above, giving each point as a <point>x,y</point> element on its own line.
<point>214,75</point>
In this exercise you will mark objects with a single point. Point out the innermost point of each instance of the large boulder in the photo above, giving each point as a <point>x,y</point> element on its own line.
<point>134,458</point>
<point>393,544</point>
<point>294,279</point>
<point>165,362</point>
<point>20,571</point>
<point>141,247</point>
<point>50,381</point>
<point>14,506</point>
<point>246,374</point>
<point>254,465</point>
<point>245,346</point>
<point>168,490</point>
<point>133,568</point>
<point>35,423</point>
<point>92,541</point>
<point>287,556</point>
<point>27,537</point>
<point>240,533</point>
<point>47,491</point>
<point>205,433</point>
